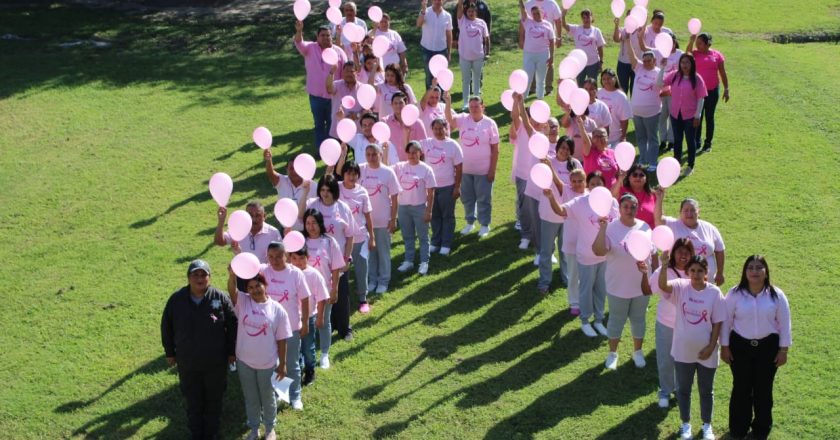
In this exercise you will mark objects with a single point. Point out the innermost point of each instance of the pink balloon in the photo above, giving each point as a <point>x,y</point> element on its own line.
<point>353,32</point>
<point>302,8</point>
<point>348,102</point>
<point>538,145</point>
<point>663,237</point>
<point>617,7</point>
<point>438,63</point>
<point>286,211</point>
<point>329,56</point>
<point>334,3</point>
<point>366,95</point>
<point>540,111</point>
<point>381,132</point>
<point>541,175</point>
<point>639,13</point>
<point>293,241</point>
<point>305,166</point>
<point>375,14</point>
<point>664,44</point>
<point>262,137</point>
<point>239,225</point>
<point>245,265</point>
<point>579,100</point>
<point>445,78</point>
<point>601,201</point>
<point>642,3</point>
<point>346,129</point>
<point>569,68</point>
<point>625,154</point>
<point>694,26</point>
<point>409,114</point>
<point>518,81</point>
<point>221,187</point>
<point>567,4</point>
<point>630,24</point>
<point>507,99</point>
<point>638,245</point>
<point>565,89</point>
<point>667,172</point>
<point>381,44</point>
<point>580,56</point>
<point>330,150</point>
<point>334,15</point>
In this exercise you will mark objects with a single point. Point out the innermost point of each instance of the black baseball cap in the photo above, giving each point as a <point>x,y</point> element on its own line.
<point>198,265</point>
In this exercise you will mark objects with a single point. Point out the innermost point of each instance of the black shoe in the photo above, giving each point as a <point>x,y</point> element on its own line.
<point>663,146</point>
<point>669,147</point>
<point>707,147</point>
<point>308,377</point>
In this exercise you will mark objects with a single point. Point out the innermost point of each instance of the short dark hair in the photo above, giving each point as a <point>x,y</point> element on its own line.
<point>258,278</point>
<point>319,218</point>
<point>398,95</point>
<point>351,167</point>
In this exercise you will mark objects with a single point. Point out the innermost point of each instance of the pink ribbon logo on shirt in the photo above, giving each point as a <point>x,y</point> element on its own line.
<point>377,190</point>
<point>536,32</point>
<point>317,262</point>
<point>331,229</point>
<point>214,318</point>
<point>440,160</point>
<point>470,142</point>
<point>647,88</point>
<point>285,296</point>
<point>356,209</point>
<point>704,250</point>
<point>585,41</point>
<point>412,185</point>
<point>261,329</point>
<point>703,316</point>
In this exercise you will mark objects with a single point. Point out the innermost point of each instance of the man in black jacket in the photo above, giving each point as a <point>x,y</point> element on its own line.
<point>198,330</point>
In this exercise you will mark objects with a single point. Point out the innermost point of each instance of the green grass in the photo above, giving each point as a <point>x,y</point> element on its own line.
<point>104,161</point>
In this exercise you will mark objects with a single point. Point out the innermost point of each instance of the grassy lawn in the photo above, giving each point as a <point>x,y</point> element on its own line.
<point>104,160</point>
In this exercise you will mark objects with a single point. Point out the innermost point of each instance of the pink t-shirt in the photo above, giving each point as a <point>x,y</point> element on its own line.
<point>471,38</point>
<point>619,107</point>
<point>622,275</point>
<point>546,213</point>
<point>570,225</point>
<point>697,312</point>
<point>414,180</point>
<point>381,183</point>
<point>647,202</point>
<point>257,244</point>
<point>341,90</point>
<point>384,94</point>
<point>539,36</point>
<point>587,228</point>
<point>442,156</point>
<point>562,168</point>
<point>317,287</point>
<point>523,160</point>
<point>429,114</point>
<point>588,40</point>
<point>666,311</point>
<point>288,288</point>
<point>603,161</point>
<point>572,131</point>
<point>600,113</point>
<point>705,237</point>
<point>476,138</point>
<point>645,100</point>
<point>338,219</point>
<point>316,69</point>
<point>550,9</point>
<point>707,66</point>
<point>395,46</point>
<point>683,97</point>
<point>417,132</point>
<point>358,201</point>
<point>260,326</point>
<point>623,53</point>
<point>363,77</point>
<point>325,256</point>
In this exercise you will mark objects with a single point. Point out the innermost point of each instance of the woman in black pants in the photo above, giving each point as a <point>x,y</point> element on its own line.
<point>754,342</point>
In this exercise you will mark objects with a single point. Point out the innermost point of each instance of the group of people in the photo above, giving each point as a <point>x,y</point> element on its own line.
<point>270,326</point>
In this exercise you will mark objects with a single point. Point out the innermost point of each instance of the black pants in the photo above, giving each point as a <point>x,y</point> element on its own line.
<point>753,371</point>
<point>709,106</point>
<point>626,77</point>
<point>340,317</point>
<point>203,390</point>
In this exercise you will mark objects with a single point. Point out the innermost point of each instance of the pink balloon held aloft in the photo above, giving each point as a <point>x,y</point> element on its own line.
<point>541,175</point>
<point>366,95</point>
<point>507,99</point>
<point>567,4</point>
<point>663,237</point>
<point>579,100</point>
<point>221,187</point>
<point>329,56</point>
<point>664,44</point>
<point>346,129</point>
<point>286,210</point>
<point>694,26</point>
<point>245,265</point>
<point>334,15</point>
<point>565,89</point>
<point>353,32</point>
<point>375,14</point>
<point>540,111</point>
<point>639,13</point>
<point>570,67</point>
<point>438,63</point>
<point>301,9</point>
<point>642,3</point>
<point>409,114</point>
<point>380,45</point>
<point>239,225</point>
<point>348,102</point>
<point>667,172</point>
<point>617,8</point>
<point>580,56</point>
<point>601,201</point>
<point>630,24</point>
<point>381,132</point>
<point>445,78</point>
<point>638,245</point>
<point>305,166</point>
<point>518,81</point>
<point>625,154</point>
<point>293,241</point>
<point>262,137</point>
<point>330,151</point>
<point>335,3</point>
<point>538,145</point>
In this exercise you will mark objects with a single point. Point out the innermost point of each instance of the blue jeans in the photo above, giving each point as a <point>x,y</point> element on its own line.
<point>443,217</point>
<point>684,128</point>
<point>293,364</point>
<point>664,360</point>
<point>524,212</point>
<point>413,227</point>
<point>379,262</point>
<point>360,268</point>
<point>325,331</point>
<point>573,286</point>
<point>260,401</point>
<point>549,234</point>
<point>647,138</point>
<point>471,70</point>
<point>427,55</point>
<point>626,76</point>
<point>593,291</point>
<point>536,66</point>
<point>708,113</point>
<point>476,191</point>
<point>307,349</point>
<point>321,109</point>
<point>666,134</point>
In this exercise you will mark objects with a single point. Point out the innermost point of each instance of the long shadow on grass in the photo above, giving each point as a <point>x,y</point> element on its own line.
<point>643,424</point>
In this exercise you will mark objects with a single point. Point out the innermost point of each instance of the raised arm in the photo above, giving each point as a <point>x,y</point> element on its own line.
<point>619,182</point>
<point>664,285</point>
<point>631,53</point>
<point>273,176</point>
<point>459,12</point>
<point>563,20</point>
<point>304,195</point>
<point>584,136</point>
<point>690,47</point>
<point>522,14</point>
<point>421,19</point>
<point>616,31</point>
<point>342,159</point>
<point>645,283</point>
<point>298,31</point>
<point>233,291</point>
<point>330,81</point>
<point>658,210</point>
<point>450,115</point>
<point>426,95</point>
<point>219,236</point>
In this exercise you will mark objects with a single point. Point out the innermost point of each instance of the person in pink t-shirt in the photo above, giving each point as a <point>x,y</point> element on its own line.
<point>576,188</point>
<point>681,253</point>
<point>618,104</point>
<point>568,122</point>
<point>688,95</point>
<point>537,47</point>
<point>288,186</point>
<point>522,127</point>
<point>396,47</point>
<point>416,200</point>
<point>401,135</point>
<point>646,103</point>
<point>394,83</point>
<point>598,110</point>
<point>260,350</point>
<point>368,67</point>
<point>701,311</point>
<point>634,181</point>
<point>346,86</point>
<point>473,49</point>
<point>596,155</point>
<point>445,157</point>
<point>624,292</point>
<point>316,74</point>
<point>318,299</point>
<point>431,107</point>
<point>357,199</point>
<point>710,65</point>
<point>589,39</point>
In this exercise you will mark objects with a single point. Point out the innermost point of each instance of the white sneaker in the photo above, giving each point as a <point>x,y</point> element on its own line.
<point>537,260</point>
<point>380,289</point>
<point>708,434</point>
<point>664,403</point>
<point>554,259</point>
<point>639,359</point>
<point>271,435</point>
<point>467,229</point>
<point>688,171</point>
<point>423,269</point>
<point>523,244</point>
<point>405,266</point>
<point>445,251</point>
<point>612,361</point>
<point>600,327</point>
<point>588,331</point>
<point>254,434</point>
<point>484,231</point>
<point>517,226</point>
<point>325,362</point>
<point>685,431</point>
<point>297,405</point>
<point>432,249</point>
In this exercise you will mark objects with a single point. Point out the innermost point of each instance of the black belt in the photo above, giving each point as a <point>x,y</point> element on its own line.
<point>757,342</point>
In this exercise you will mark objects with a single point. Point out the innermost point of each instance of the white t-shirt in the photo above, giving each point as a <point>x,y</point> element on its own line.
<point>622,275</point>
<point>620,110</point>
<point>705,237</point>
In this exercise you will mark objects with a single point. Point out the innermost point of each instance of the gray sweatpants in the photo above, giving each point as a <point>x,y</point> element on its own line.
<point>705,388</point>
